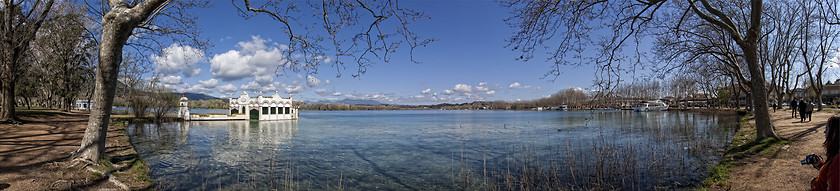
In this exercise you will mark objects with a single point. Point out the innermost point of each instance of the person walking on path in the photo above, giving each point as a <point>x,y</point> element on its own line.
<point>793,108</point>
<point>802,110</point>
<point>829,176</point>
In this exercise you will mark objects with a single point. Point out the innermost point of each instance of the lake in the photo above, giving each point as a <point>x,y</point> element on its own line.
<point>438,150</point>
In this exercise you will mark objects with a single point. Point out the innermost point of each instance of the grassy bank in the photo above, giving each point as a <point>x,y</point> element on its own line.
<point>743,145</point>
<point>126,166</point>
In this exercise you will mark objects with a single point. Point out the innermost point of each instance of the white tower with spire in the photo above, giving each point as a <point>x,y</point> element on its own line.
<point>183,108</point>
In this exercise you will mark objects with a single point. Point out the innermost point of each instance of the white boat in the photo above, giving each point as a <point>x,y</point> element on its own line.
<point>650,106</point>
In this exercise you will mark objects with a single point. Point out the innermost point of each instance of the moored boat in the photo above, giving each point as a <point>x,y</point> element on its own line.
<point>651,106</point>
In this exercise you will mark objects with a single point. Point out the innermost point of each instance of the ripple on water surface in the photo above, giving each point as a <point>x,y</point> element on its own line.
<point>405,150</point>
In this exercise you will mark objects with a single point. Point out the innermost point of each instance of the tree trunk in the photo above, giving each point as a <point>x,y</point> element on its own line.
<point>110,57</point>
<point>764,128</point>
<point>9,71</point>
<point>114,36</point>
<point>819,101</point>
<point>117,26</point>
<point>8,111</point>
<point>749,45</point>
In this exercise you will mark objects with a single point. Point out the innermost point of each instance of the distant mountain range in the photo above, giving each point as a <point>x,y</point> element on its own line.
<point>197,96</point>
<point>352,102</point>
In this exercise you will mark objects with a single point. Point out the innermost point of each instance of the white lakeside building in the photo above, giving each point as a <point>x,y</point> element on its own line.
<point>245,108</point>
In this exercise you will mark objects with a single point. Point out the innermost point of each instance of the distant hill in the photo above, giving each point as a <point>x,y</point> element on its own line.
<point>197,96</point>
<point>354,102</point>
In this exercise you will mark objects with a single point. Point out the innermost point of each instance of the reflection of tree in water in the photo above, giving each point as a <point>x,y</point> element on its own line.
<point>160,137</point>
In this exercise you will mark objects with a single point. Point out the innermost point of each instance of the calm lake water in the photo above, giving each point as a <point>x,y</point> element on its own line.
<point>438,150</point>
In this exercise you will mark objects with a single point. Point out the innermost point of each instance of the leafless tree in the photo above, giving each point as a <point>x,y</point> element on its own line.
<point>376,28</point>
<point>63,51</point>
<point>777,49</point>
<point>20,22</point>
<point>135,87</point>
<point>162,99</point>
<point>569,25</point>
<point>147,21</point>
<point>817,46</point>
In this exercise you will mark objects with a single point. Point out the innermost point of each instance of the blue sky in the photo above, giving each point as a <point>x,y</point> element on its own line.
<point>467,63</point>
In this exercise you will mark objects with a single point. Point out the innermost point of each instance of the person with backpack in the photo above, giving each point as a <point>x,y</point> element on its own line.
<point>803,109</point>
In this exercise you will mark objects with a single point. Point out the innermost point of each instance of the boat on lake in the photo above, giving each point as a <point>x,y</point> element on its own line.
<point>650,106</point>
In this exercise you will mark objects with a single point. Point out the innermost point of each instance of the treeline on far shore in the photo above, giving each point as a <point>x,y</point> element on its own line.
<point>574,99</point>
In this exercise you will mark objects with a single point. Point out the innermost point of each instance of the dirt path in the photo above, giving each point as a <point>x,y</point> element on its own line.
<point>780,169</point>
<point>33,155</point>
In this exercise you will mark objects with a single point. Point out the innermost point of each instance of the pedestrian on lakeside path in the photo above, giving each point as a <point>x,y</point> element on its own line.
<point>802,110</point>
<point>793,108</point>
<point>829,176</point>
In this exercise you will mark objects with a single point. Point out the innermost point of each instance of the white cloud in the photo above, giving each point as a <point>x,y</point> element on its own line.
<point>462,88</point>
<point>175,59</point>
<point>171,79</point>
<point>327,92</point>
<point>250,86</point>
<point>470,92</point>
<point>265,79</point>
<point>380,97</point>
<point>231,66</point>
<point>293,89</point>
<point>323,91</point>
<point>311,81</point>
<point>834,62</point>
<point>211,83</point>
<point>227,88</point>
<point>253,59</point>
<point>517,85</point>
<point>251,47</point>
<point>482,87</point>
<point>199,89</point>
<point>426,91</point>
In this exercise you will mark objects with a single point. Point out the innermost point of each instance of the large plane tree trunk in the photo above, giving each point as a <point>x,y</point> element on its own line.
<point>764,128</point>
<point>117,25</point>
<point>749,45</point>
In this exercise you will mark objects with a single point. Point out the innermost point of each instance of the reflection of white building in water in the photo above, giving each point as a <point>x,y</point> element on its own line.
<point>246,140</point>
<point>245,108</point>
